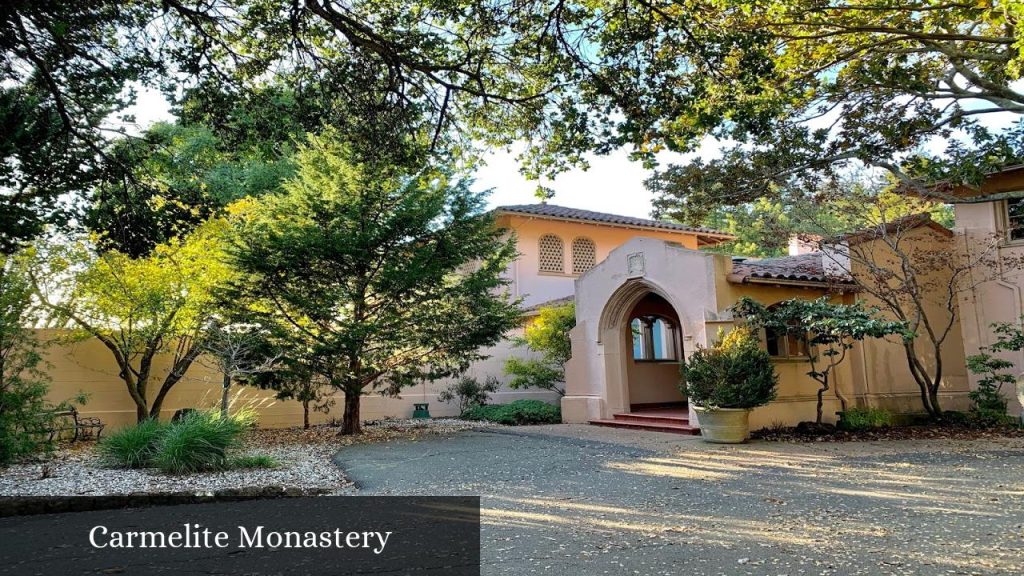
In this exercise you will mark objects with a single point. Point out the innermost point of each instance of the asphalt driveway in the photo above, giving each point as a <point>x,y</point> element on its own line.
<point>574,500</point>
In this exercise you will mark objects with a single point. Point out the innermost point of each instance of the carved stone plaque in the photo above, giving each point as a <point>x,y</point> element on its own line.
<point>635,265</point>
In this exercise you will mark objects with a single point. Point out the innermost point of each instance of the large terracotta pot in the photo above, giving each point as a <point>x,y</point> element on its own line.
<point>724,425</point>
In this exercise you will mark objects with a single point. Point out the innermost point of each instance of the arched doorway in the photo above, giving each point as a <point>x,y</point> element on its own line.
<point>642,338</point>
<point>654,355</point>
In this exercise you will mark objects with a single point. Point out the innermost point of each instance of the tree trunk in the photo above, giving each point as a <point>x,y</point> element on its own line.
<point>933,397</point>
<point>225,387</point>
<point>141,414</point>
<point>350,422</point>
<point>923,383</point>
<point>173,377</point>
<point>821,400</point>
<point>305,414</point>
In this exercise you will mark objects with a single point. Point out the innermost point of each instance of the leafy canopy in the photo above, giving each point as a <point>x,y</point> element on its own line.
<point>547,336</point>
<point>139,307</point>
<point>834,86</point>
<point>383,277</point>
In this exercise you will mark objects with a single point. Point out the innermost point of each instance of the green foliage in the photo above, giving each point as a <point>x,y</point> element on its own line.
<point>790,62</point>
<point>251,461</point>
<point>865,418</point>
<point>763,227</point>
<point>23,385</point>
<point>733,373</point>
<point>170,181</point>
<point>547,335</point>
<point>138,307</point>
<point>379,276</point>
<point>827,330</point>
<point>67,73</point>
<point>517,413</point>
<point>198,442</point>
<point>133,446</point>
<point>565,76</point>
<point>989,404</point>
<point>470,392</point>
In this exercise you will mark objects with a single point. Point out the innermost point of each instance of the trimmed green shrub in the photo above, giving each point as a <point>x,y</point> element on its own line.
<point>733,373</point>
<point>132,446</point>
<point>518,413</point>
<point>865,419</point>
<point>255,461</point>
<point>198,442</point>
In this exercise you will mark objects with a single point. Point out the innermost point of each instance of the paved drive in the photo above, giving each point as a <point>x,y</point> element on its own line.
<point>578,500</point>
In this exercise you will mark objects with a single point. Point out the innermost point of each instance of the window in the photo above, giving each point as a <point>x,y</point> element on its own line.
<point>1015,218</point>
<point>552,254</point>
<point>584,255</point>
<point>782,345</point>
<point>654,339</point>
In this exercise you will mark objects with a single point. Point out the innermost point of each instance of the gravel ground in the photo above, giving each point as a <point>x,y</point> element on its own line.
<point>588,500</point>
<point>304,455</point>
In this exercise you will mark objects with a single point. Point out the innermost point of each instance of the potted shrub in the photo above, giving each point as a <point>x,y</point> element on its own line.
<point>725,382</point>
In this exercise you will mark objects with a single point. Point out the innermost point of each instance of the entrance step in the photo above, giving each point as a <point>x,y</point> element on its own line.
<point>672,421</point>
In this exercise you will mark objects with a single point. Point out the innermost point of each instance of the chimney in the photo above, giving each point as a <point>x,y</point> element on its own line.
<point>803,244</point>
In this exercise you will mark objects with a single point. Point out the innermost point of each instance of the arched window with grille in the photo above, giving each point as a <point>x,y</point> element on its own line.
<point>584,255</point>
<point>552,254</point>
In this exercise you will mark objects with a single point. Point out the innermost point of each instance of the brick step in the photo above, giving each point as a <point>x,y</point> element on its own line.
<point>652,426</point>
<point>653,418</point>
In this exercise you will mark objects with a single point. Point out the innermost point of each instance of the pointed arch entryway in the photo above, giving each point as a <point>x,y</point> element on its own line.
<point>642,337</point>
<point>637,313</point>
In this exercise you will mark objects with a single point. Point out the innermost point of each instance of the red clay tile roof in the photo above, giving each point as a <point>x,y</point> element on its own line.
<point>804,268</point>
<point>556,302</point>
<point>564,213</point>
<point>809,267</point>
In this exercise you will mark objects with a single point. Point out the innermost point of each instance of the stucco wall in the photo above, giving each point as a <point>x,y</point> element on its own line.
<point>654,382</point>
<point>883,363</point>
<point>88,367</point>
<point>536,287</point>
<point>997,300</point>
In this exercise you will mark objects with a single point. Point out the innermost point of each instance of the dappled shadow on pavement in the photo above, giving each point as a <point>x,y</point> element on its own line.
<point>556,504</point>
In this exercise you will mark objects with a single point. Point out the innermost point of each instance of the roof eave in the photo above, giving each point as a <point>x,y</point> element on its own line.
<point>715,237</point>
<point>831,286</point>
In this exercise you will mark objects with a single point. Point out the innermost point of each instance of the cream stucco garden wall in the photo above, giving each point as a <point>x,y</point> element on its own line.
<point>89,368</point>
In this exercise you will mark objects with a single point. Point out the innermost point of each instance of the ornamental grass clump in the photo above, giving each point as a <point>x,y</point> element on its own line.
<point>734,373</point>
<point>132,446</point>
<point>199,442</point>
